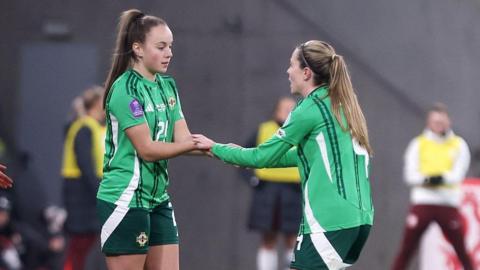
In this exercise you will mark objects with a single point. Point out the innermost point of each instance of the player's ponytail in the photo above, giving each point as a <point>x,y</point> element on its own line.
<point>132,27</point>
<point>330,68</point>
<point>343,97</point>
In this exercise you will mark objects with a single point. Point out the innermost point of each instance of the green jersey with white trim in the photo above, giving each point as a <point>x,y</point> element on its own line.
<point>133,100</point>
<point>333,166</point>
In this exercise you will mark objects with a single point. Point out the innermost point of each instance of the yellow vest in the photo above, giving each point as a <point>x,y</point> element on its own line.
<point>435,157</point>
<point>70,167</point>
<point>284,175</point>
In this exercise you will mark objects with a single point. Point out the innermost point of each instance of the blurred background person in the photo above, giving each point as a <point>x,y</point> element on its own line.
<point>23,245</point>
<point>5,181</point>
<point>9,238</point>
<point>436,163</point>
<point>276,208</point>
<point>82,171</point>
<point>77,111</point>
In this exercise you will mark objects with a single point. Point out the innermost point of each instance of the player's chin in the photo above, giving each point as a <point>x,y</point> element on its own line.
<point>162,69</point>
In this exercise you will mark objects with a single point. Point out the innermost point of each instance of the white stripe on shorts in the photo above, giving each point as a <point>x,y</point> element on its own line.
<point>327,252</point>
<point>112,222</point>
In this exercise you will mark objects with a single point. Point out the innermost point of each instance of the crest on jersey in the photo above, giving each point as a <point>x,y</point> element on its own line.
<point>172,102</point>
<point>142,239</point>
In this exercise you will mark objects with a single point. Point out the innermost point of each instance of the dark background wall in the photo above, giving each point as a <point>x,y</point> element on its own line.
<point>230,59</point>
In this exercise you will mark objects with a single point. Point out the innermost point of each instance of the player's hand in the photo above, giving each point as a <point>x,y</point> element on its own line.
<point>5,181</point>
<point>202,142</point>
<point>208,153</point>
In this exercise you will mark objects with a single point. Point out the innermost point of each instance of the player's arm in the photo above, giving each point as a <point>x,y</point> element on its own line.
<point>181,133</point>
<point>274,153</point>
<point>150,150</point>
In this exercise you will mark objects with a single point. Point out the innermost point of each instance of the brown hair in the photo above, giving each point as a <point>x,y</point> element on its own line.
<point>132,27</point>
<point>331,69</point>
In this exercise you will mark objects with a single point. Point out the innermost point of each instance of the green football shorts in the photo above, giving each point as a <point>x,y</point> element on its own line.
<point>329,250</point>
<point>132,230</point>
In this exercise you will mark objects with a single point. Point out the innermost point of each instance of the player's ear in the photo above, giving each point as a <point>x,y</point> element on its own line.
<point>137,49</point>
<point>307,73</point>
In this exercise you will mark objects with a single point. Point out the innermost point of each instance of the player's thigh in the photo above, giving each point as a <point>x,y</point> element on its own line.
<point>125,231</point>
<point>163,257</point>
<point>163,227</point>
<point>329,250</point>
<point>126,262</point>
<point>306,256</point>
<point>163,250</point>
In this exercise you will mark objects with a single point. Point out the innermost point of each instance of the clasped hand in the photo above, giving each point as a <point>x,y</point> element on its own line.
<point>205,144</point>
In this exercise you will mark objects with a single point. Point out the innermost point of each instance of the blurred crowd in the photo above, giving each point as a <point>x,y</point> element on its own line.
<point>48,235</point>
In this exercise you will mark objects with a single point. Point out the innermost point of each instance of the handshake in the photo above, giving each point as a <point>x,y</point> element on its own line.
<point>433,181</point>
<point>204,144</point>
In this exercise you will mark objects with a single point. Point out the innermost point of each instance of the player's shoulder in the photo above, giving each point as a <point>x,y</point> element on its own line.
<point>124,88</point>
<point>126,82</point>
<point>304,107</point>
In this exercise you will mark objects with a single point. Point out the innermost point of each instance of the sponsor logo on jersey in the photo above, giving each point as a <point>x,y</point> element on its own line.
<point>171,102</point>
<point>142,239</point>
<point>161,107</point>
<point>149,108</point>
<point>136,108</point>
<point>280,133</point>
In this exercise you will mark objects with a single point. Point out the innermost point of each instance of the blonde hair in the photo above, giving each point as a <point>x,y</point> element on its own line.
<point>331,69</point>
<point>91,95</point>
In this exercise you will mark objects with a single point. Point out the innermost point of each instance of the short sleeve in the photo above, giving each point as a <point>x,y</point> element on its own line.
<point>127,109</point>
<point>298,125</point>
<point>177,109</point>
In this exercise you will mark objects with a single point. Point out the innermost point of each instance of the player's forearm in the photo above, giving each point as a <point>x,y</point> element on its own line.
<point>267,155</point>
<point>196,153</point>
<point>290,159</point>
<point>160,150</point>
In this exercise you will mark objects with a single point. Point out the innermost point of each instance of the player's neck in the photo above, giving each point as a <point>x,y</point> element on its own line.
<point>309,89</point>
<point>144,72</point>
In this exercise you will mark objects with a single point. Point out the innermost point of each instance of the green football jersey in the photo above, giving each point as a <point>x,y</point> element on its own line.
<point>133,100</point>
<point>333,167</point>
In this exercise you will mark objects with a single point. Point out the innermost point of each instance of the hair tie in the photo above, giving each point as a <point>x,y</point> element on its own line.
<point>333,56</point>
<point>139,16</point>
